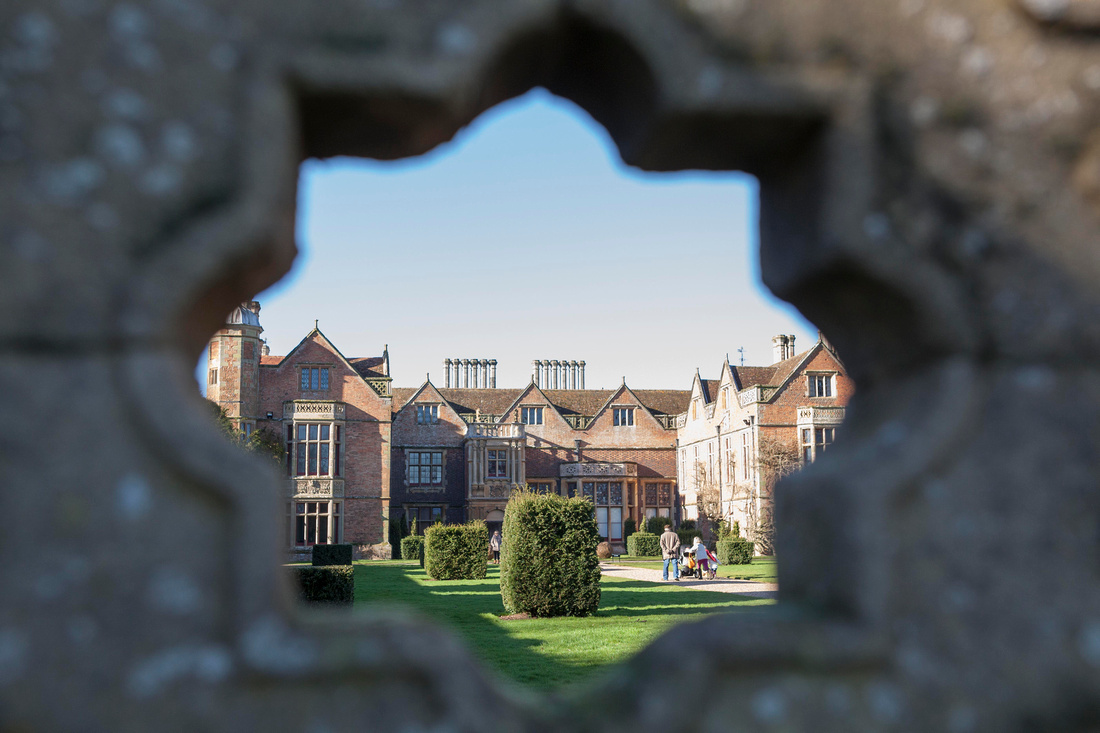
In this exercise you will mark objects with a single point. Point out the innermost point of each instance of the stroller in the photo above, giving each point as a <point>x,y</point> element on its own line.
<point>689,568</point>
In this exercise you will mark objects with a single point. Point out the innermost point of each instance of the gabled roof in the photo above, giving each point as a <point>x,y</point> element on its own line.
<point>363,366</point>
<point>710,389</point>
<point>664,401</point>
<point>751,376</point>
<point>368,366</point>
<point>487,401</point>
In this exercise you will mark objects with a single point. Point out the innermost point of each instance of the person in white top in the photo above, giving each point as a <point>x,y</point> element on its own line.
<point>702,559</point>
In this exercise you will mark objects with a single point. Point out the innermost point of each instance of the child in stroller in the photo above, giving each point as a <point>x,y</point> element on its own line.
<point>689,567</point>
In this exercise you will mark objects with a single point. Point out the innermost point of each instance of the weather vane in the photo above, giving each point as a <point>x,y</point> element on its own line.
<point>741,351</point>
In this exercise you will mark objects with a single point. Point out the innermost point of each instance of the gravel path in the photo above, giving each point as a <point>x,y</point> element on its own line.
<point>720,584</point>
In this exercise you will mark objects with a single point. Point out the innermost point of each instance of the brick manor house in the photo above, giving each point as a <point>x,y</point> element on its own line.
<point>359,452</point>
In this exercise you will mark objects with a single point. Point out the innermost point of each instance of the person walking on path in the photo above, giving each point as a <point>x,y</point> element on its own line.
<point>702,559</point>
<point>494,546</point>
<point>670,551</point>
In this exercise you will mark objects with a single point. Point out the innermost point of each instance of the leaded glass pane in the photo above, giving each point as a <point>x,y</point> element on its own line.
<point>651,494</point>
<point>313,432</point>
<point>414,459</point>
<point>588,490</point>
<point>664,495</point>
<point>616,494</point>
<point>324,432</point>
<point>601,494</point>
<point>324,379</point>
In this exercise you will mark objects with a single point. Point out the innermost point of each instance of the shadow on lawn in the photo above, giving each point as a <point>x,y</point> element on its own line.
<point>463,606</point>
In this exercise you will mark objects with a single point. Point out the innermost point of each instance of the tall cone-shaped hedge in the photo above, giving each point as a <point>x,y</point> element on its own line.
<point>548,563</point>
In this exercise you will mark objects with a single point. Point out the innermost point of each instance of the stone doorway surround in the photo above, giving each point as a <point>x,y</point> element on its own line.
<point>930,179</point>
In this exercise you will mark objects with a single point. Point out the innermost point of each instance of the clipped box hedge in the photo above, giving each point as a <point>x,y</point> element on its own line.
<point>412,548</point>
<point>456,551</point>
<point>643,544</point>
<point>548,565</point>
<point>325,584</point>
<point>736,551</point>
<point>332,554</point>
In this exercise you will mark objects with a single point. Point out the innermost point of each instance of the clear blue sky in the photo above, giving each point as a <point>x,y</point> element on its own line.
<point>526,237</point>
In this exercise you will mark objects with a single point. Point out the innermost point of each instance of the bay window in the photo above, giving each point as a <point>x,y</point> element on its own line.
<point>313,449</point>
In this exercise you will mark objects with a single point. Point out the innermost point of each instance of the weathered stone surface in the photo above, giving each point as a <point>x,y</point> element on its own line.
<point>928,198</point>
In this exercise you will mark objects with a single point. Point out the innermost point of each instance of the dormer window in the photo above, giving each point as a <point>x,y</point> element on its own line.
<point>427,414</point>
<point>314,379</point>
<point>530,415</point>
<point>624,416</point>
<point>820,385</point>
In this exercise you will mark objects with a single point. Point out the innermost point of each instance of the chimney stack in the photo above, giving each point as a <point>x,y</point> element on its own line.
<point>447,372</point>
<point>790,347</point>
<point>492,374</point>
<point>779,348</point>
<point>581,364</point>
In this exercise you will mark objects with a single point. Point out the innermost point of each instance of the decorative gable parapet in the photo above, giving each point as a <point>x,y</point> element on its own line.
<point>670,422</point>
<point>313,410</point>
<point>479,417</point>
<point>380,385</point>
<point>597,469</point>
<point>820,415</point>
<point>579,422</point>
<point>515,431</point>
<point>755,394</point>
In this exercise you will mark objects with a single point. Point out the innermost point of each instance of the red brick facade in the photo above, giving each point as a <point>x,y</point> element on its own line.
<point>359,455</point>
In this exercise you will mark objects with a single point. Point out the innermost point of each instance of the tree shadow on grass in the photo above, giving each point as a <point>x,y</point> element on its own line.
<point>470,608</point>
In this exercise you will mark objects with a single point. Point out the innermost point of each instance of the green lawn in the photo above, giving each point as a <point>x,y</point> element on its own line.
<point>762,569</point>
<point>543,653</point>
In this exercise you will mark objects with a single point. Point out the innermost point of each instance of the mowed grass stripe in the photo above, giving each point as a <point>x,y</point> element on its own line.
<point>551,652</point>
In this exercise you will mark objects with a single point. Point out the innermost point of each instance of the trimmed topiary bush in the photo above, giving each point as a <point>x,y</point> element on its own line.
<point>456,551</point>
<point>332,554</point>
<point>325,584</point>
<point>736,551</point>
<point>643,544</point>
<point>603,550</point>
<point>412,548</point>
<point>548,566</point>
<point>656,525</point>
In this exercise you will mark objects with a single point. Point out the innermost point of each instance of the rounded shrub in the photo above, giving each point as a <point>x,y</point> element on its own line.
<point>412,548</point>
<point>643,544</point>
<point>548,565</point>
<point>736,551</point>
<point>603,550</point>
<point>456,551</point>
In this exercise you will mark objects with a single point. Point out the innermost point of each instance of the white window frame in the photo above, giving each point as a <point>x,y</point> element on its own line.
<point>531,414</point>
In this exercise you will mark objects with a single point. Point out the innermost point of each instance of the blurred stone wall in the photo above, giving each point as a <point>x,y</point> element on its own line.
<point>930,185</point>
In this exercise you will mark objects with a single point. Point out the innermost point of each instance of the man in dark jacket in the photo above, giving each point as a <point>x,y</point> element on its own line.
<point>670,551</point>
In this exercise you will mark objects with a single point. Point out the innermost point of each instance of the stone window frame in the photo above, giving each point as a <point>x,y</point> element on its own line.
<point>819,381</point>
<point>527,412</point>
<point>623,411</point>
<point>336,440</point>
<point>212,377</point>
<point>419,464</point>
<point>334,517</point>
<point>422,526</point>
<point>496,463</point>
<point>323,377</point>
<point>813,439</point>
<point>427,413</point>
